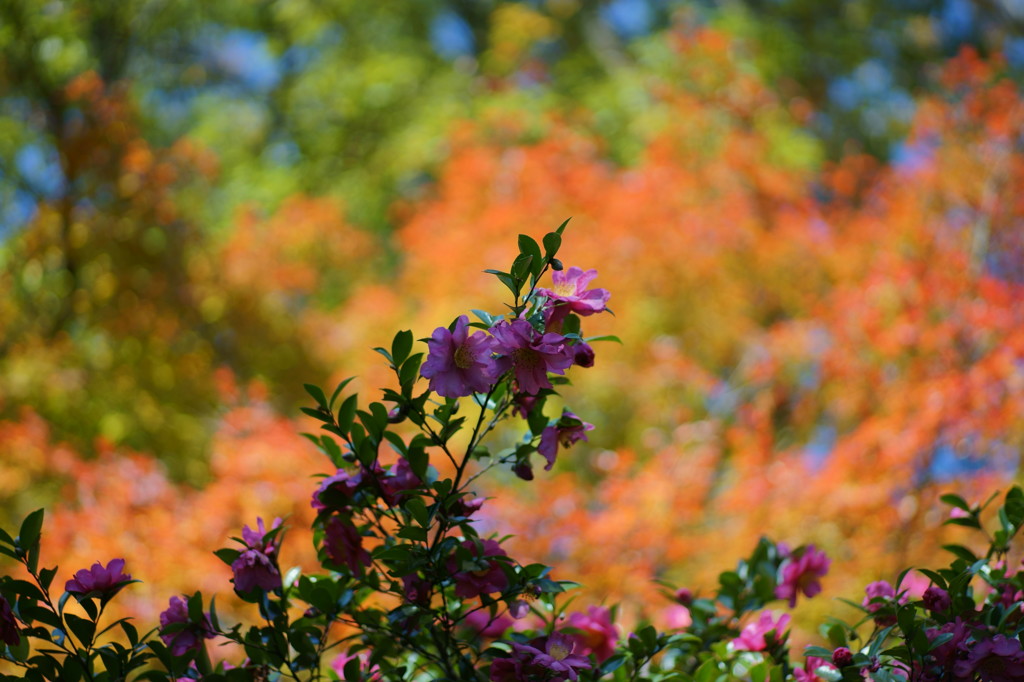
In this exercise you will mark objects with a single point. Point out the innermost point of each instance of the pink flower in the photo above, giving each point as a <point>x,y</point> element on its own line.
<point>546,658</point>
<point>344,544</point>
<point>256,567</point>
<point>753,636</point>
<point>339,488</point>
<point>105,580</point>
<point>677,617</point>
<point>993,660</point>
<point>188,638</point>
<point>567,431</point>
<point>801,572</point>
<point>459,364</point>
<point>483,624</point>
<point>809,671</point>
<point>569,293</point>
<point>341,660</point>
<point>484,575</point>
<point>529,355</point>
<point>597,633</point>
<point>881,596</point>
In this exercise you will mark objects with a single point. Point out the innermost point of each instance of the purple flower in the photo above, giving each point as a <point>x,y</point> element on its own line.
<point>583,354</point>
<point>569,293</point>
<point>459,364</point>
<point>344,482</point>
<point>344,544</point>
<point>597,633</point>
<point>530,355</point>
<point>801,572</point>
<point>949,652</point>
<point>881,596</point>
<point>485,575</point>
<point>188,638</point>
<point>842,657</point>
<point>399,479</point>
<point>555,657</point>
<point>8,624</point>
<point>481,623</point>
<point>417,590</point>
<point>754,636</point>
<point>567,431</point>
<point>999,659</point>
<point>936,599</point>
<point>106,580</point>
<point>256,566</point>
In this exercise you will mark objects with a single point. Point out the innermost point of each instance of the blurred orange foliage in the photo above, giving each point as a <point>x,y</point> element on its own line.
<point>808,356</point>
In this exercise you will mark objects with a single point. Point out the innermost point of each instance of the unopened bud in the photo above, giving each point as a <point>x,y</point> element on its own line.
<point>556,264</point>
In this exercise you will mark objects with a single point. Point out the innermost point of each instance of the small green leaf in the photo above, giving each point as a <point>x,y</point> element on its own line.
<point>347,413</point>
<point>401,346</point>
<point>552,242</point>
<point>31,528</point>
<point>337,392</point>
<point>955,500</point>
<point>317,394</point>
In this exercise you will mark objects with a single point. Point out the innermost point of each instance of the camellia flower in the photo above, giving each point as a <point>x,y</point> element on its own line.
<point>567,431</point>
<point>936,599</point>
<point>548,658</point>
<point>459,364</point>
<point>993,660</point>
<point>257,565</point>
<point>344,482</point>
<point>569,293</point>
<point>801,572</point>
<point>399,479</point>
<point>8,625</point>
<point>486,579</point>
<point>341,660</point>
<point>480,622</point>
<point>107,580</point>
<point>583,354</point>
<point>597,633</point>
<point>530,355</point>
<point>881,595</point>
<point>809,671</point>
<point>188,638</point>
<point>752,637</point>
<point>344,544</point>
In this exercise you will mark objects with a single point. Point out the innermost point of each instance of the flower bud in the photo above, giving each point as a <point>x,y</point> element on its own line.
<point>556,264</point>
<point>842,657</point>
<point>684,596</point>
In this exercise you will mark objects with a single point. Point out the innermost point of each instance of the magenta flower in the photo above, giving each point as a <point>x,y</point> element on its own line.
<point>417,590</point>
<point>567,431</point>
<point>459,364</point>
<point>399,479</point>
<point>569,293</point>
<point>881,596</point>
<point>8,625</point>
<point>597,633</point>
<point>188,638</point>
<point>555,660</point>
<point>105,580</point>
<point>343,484</point>
<point>344,544</point>
<point>809,671</point>
<point>529,355</point>
<point>999,659</point>
<point>481,623</point>
<point>341,660</point>
<point>936,599</point>
<point>801,572</point>
<point>485,575</point>
<point>583,354</point>
<point>753,636</point>
<point>842,657</point>
<point>256,566</point>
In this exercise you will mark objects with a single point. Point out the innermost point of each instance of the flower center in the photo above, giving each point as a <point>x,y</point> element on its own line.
<point>564,289</point>
<point>463,358</point>
<point>558,651</point>
<point>526,357</point>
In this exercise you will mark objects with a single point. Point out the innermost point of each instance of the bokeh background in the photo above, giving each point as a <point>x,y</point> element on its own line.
<point>810,214</point>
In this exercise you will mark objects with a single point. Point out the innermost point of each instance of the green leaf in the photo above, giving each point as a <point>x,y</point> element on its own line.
<point>82,628</point>
<point>955,500</point>
<point>961,552</point>
<point>552,242</point>
<point>561,228</point>
<point>520,269</point>
<point>410,371</point>
<point>418,510</point>
<point>31,528</point>
<point>606,337</point>
<point>347,413</point>
<point>317,394</point>
<point>528,247</point>
<point>337,392</point>
<point>227,555</point>
<point>401,346</point>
